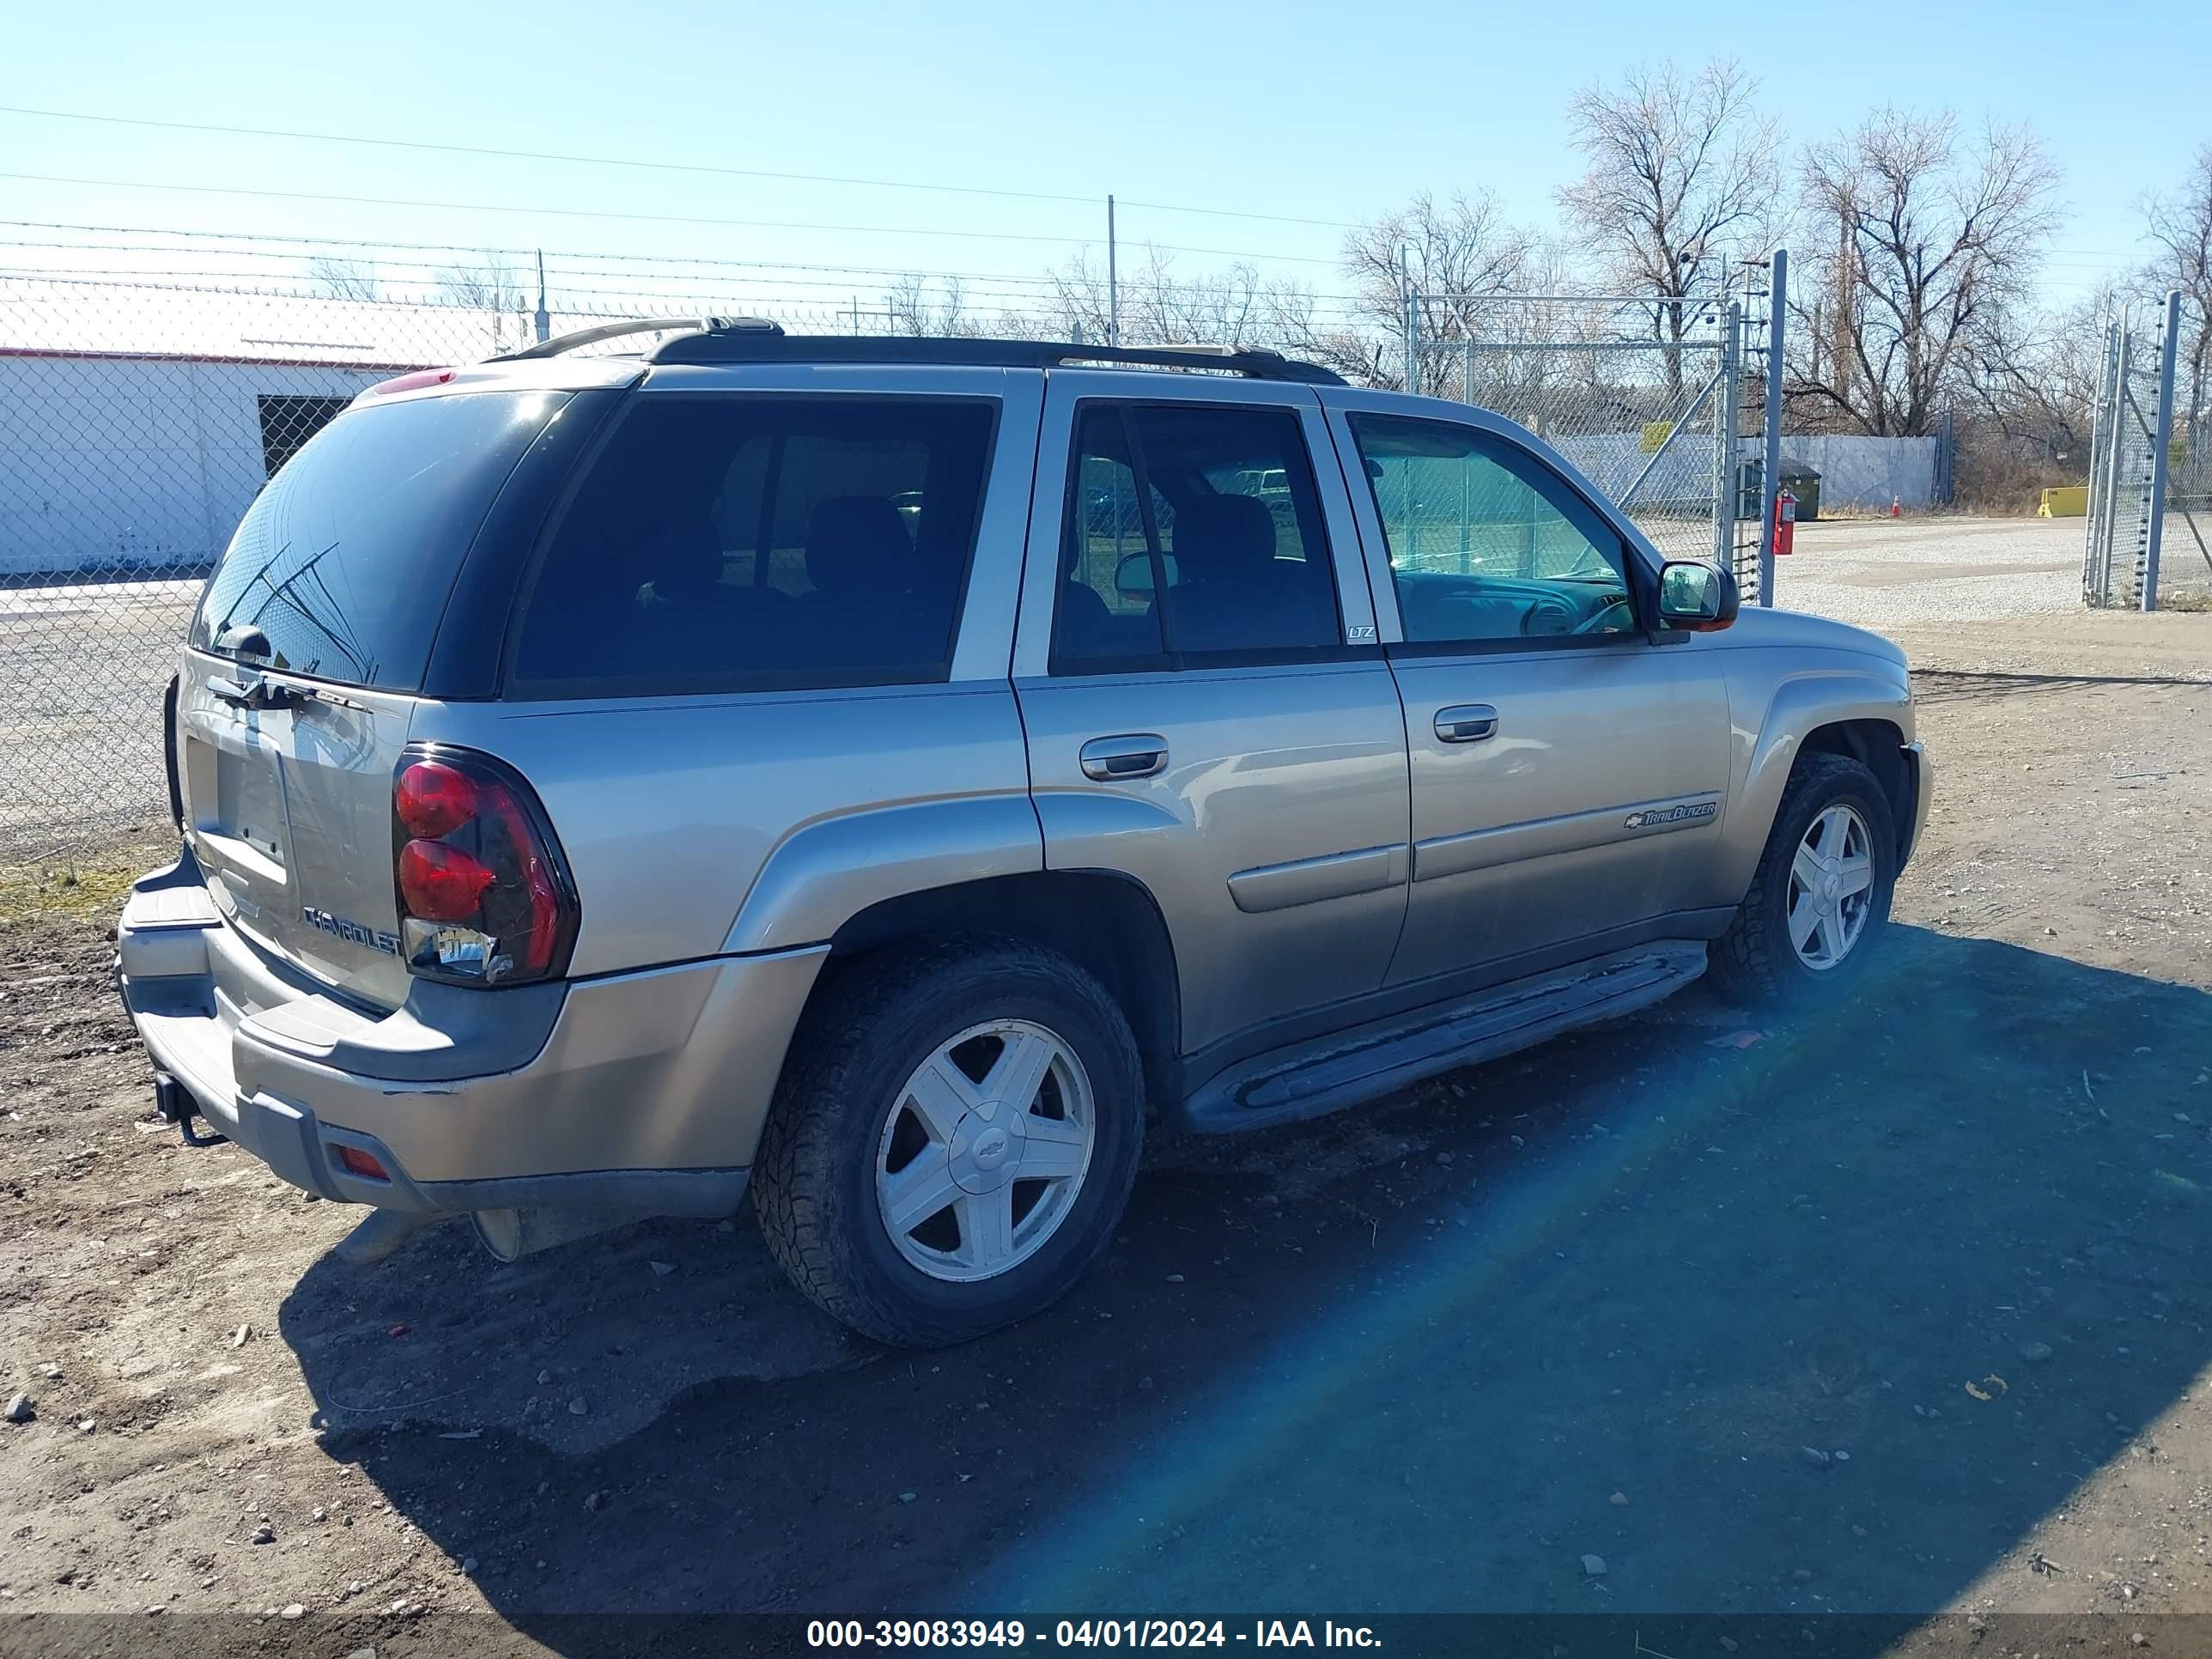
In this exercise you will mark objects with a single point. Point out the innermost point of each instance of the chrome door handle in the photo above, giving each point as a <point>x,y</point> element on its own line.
<point>1469,722</point>
<point>1138,754</point>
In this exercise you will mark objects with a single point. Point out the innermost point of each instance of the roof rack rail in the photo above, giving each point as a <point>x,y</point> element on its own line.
<point>773,345</point>
<point>694,325</point>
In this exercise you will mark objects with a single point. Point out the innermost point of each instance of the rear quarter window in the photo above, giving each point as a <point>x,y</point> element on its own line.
<point>346,558</point>
<point>760,541</point>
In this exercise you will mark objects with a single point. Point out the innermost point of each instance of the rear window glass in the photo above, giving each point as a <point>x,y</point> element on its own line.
<point>345,559</point>
<point>753,541</point>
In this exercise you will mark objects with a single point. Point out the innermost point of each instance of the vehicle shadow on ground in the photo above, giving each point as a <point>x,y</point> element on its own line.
<point>1838,1316</point>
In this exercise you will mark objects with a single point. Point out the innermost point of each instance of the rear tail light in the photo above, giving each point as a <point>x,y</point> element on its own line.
<point>484,895</point>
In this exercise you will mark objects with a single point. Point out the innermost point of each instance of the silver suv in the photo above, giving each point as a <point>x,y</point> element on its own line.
<point>884,774</point>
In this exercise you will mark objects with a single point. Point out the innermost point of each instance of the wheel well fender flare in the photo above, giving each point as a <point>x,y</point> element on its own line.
<point>1105,922</point>
<point>1847,712</point>
<point>829,871</point>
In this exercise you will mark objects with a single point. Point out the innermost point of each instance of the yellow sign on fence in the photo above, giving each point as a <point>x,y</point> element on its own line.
<point>1656,433</point>
<point>2068,501</point>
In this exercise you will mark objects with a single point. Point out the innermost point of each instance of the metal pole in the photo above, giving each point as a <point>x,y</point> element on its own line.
<point>1724,424</point>
<point>1113,282</point>
<point>1412,317</point>
<point>2161,443</point>
<point>2093,511</point>
<point>1770,473</point>
<point>2110,529</point>
<point>544,320</point>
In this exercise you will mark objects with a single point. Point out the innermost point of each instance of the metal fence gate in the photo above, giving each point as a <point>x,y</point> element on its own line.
<point>1660,403</point>
<point>2144,544</point>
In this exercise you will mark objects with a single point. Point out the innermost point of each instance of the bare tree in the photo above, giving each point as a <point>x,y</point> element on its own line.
<point>492,285</point>
<point>1161,307</point>
<point>1935,244</point>
<point>1684,178</point>
<point>1295,326</point>
<point>1457,251</point>
<point>2031,378</point>
<point>913,311</point>
<point>345,279</point>
<point>1080,306</point>
<point>2181,226</point>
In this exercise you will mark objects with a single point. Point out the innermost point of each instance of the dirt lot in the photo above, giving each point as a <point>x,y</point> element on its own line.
<point>1888,1313</point>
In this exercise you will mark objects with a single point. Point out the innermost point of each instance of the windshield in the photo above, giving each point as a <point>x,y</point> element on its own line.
<point>345,560</point>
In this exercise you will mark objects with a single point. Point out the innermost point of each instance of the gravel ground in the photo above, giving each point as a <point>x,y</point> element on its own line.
<point>1888,574</point>
<point>1902,1311</point>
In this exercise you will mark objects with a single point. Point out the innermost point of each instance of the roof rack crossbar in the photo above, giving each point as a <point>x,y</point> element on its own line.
<point>692,325</point>
<point>763,346</point>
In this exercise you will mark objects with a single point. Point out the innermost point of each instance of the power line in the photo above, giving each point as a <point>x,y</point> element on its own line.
<point>594,279</point>
<point>580,298</point>
<point>357,248</point>
<point>639,218</point>
<point>656,167</point>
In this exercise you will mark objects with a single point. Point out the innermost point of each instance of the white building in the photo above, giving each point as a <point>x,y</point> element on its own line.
<point>137,424</point>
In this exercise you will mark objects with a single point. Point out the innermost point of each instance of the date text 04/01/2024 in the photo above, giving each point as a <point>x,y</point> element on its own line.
<point>1084,1633</point>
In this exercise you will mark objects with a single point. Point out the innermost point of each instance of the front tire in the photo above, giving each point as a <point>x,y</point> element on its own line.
<point>953,1140</point>
<point>1820,898</point>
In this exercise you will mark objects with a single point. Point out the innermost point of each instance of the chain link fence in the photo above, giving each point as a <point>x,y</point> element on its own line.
<point>137,421</point>
<point>1659,404</point>
<point>2145,545</point>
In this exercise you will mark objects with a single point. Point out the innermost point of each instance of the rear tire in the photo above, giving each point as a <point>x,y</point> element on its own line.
<point>1820,898</point>
<point>922,1084</point>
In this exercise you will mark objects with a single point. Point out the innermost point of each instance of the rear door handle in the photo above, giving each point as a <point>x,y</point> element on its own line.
<point>1469,722</point>
<point>1138,754</point>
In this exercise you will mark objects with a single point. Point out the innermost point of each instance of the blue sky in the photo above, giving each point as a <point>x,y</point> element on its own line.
<point>1328,113</point>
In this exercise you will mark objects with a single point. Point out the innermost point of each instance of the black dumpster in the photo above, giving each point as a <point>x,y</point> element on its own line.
<point>1799,479</point>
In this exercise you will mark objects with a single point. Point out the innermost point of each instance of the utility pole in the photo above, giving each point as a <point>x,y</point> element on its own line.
<point>545,321</point>
<point>1113,283</point>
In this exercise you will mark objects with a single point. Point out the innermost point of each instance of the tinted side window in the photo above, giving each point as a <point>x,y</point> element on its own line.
<point>1193,533</point>
<point>1485,542</point>
<point>735,542</point>
<point>345,559</point>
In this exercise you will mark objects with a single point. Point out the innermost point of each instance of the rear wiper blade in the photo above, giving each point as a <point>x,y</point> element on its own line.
<point>260,692</point>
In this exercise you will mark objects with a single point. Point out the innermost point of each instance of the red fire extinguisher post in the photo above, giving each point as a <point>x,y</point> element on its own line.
<point>1785,522</point>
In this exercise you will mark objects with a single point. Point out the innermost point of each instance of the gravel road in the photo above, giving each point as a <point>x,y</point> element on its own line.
<point>1891,573</point>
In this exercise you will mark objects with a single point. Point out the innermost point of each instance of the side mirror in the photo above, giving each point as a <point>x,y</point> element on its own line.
<point>1693,595</point>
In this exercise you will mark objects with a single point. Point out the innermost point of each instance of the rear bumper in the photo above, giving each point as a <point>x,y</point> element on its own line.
<point>641,1091</point>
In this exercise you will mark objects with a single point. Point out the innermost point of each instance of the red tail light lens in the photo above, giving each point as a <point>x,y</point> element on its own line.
<point>484,895</point>
<point>438,883</point>
<point>433,799</point>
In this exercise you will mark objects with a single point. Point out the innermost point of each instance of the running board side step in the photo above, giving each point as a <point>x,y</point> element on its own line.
<point>1347,1067</point>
